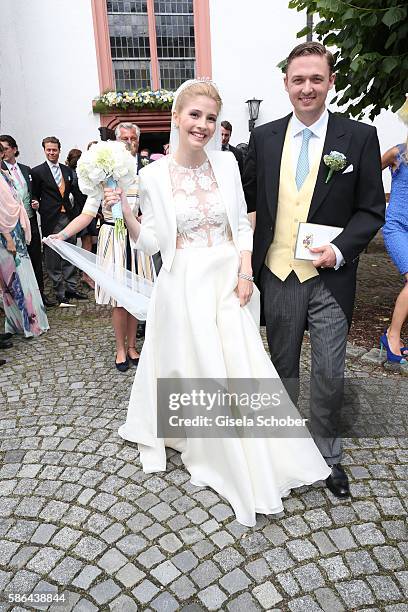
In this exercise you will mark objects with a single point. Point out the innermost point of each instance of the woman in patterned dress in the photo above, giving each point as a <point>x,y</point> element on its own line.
<point>23,307</point>
<point>112,250</point>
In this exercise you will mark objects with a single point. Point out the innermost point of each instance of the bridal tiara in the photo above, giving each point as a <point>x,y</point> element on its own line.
<point>191,82</point>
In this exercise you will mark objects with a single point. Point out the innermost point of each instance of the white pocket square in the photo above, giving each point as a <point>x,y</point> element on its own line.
<point>348,169</point>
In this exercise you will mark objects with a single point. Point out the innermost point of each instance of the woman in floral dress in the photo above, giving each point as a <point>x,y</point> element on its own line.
<point>23,306</point>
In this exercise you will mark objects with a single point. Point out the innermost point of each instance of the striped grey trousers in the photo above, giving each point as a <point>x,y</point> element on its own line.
<point>290,308</point>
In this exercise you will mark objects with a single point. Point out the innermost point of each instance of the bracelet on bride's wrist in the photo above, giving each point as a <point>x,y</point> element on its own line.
<point>247,277</point>
<point>64,235</point>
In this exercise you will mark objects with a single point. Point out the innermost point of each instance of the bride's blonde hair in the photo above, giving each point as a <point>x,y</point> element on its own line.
<point>198,88</point>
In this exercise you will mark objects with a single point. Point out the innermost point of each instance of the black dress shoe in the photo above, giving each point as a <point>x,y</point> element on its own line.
<point>5,344</point>
<point>338,482</point>
<point>2,362</point>
<point>123,366</point>
<point>75,295</point>
<point>47,302</point>
<point>5,336</point>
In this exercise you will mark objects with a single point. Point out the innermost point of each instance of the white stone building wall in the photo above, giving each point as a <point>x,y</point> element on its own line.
<point>48,74</point>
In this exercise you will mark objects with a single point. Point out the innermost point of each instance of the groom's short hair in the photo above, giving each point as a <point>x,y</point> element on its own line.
<point>311,48</point>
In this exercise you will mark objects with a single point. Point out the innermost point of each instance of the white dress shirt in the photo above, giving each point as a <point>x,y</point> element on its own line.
<point>16,166</point>
<point>52,165</point>
<point>318,129</point>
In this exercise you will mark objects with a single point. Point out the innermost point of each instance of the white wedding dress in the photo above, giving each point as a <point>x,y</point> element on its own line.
<point>197,329</point>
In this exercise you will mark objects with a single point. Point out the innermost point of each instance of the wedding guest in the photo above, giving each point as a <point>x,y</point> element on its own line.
<point>22,180</point>
<point>129,134</point>
<point>226,131</point>
<point>23,307</point>
<point>87,234</point>
<point>72,160</point>
<point>115,249</point>
<point>395,233</point>
<point>145,156</point>
<point>317,294</point>
<point>53,183</point>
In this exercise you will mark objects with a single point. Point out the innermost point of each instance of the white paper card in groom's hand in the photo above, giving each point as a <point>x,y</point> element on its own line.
<point>312,235</point>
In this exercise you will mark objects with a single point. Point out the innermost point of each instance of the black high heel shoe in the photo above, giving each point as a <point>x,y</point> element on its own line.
<point>123,366</point>
<point>133,360</point>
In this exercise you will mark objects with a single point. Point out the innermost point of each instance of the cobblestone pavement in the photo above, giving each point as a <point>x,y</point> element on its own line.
<point>79,517</point>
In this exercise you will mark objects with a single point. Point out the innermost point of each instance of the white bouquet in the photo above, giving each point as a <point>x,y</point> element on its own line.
<point>107,164</point>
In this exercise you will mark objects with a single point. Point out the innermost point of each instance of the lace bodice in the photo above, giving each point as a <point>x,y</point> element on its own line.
<point>201,216</point>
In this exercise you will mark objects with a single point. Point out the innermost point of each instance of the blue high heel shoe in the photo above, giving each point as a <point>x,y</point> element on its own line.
<point>391,357</point>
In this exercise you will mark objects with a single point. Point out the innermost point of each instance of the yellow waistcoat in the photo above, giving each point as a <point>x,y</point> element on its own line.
<point>293,208</point>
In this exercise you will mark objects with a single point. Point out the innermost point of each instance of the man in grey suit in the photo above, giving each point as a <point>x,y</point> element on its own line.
<point>286,181</point>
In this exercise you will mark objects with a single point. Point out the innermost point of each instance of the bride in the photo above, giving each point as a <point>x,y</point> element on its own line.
<point>199,323</point>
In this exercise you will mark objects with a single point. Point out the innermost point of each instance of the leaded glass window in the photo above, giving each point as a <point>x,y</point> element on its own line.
<point>130,46</point>
<point>127,6</point>
<point>175,41</point>
<point>128,78</point>
<point>175,36</point>
<point>174,72</point>
<point>173,6</point>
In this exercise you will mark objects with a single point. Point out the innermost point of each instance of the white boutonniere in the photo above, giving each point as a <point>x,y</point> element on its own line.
<point>145,161</point>
<point>335,161</point>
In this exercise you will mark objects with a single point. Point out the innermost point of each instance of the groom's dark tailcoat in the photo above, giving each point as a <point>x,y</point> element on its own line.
<point>354,200</point>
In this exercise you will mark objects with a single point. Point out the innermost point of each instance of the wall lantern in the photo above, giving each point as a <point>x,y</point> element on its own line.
<point>253,109</point>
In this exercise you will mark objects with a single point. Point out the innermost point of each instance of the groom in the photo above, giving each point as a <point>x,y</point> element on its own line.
<point>285,182</point>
